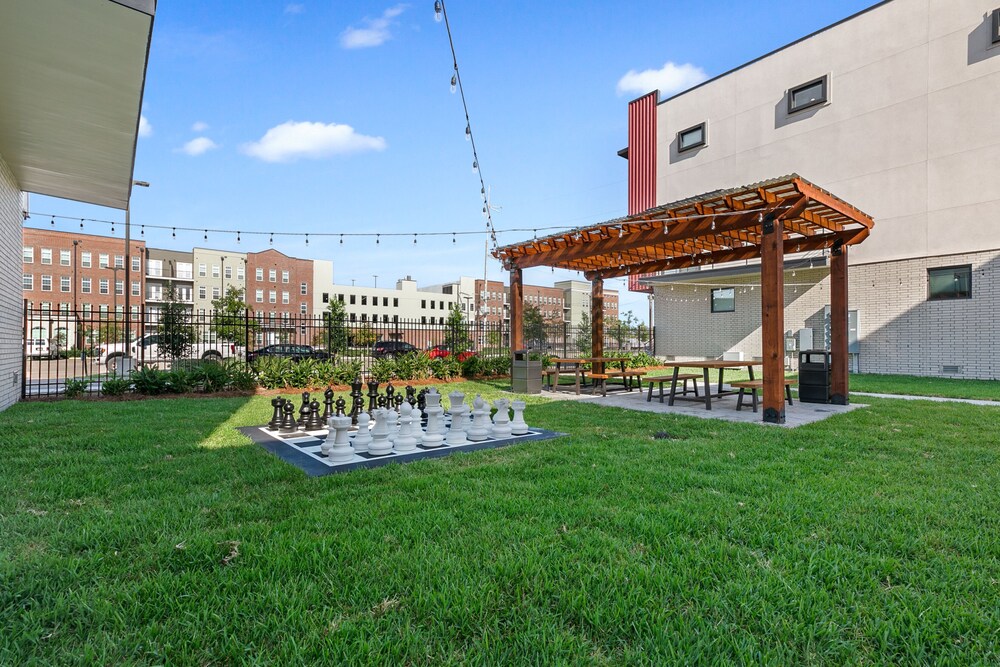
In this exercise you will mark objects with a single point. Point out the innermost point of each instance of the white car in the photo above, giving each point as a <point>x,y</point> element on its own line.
<point>37,348</point>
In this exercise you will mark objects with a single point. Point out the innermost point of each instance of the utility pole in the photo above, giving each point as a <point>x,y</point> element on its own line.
<point>128,259</point>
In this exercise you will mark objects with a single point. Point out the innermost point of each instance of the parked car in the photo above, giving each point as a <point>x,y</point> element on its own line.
<point>442,351</point>
<point>147,350</point>
<point>37,347</point>
<point>391,348</point>
<point>286,351</point>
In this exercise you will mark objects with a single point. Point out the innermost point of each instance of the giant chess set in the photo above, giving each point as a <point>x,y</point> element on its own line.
<point>396,427</point>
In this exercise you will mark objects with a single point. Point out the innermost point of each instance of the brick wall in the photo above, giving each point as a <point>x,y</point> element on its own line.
<point>901,332</point>
<point>11,302</point>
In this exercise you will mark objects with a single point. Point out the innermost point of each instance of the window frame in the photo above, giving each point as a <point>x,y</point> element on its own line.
<point>995,37</point>
<point>28,281</point>
<point>28,254</point>
<point>824,82</point>
<point>711,299</point>
<point>703,126</point>
<point>949,297</point>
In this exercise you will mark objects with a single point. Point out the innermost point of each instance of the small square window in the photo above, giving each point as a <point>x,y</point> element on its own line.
<point>808,95</point>
<point>724,300</point>
<point>996,26</point>
<point>691,138</point>
<point>949,282</point>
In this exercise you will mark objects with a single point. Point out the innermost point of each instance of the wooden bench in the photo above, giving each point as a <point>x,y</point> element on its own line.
<point>600,380</point>
<point>663,379</point>
<point>627,378</point>
<point>754,386</point>
<point>547,376</point>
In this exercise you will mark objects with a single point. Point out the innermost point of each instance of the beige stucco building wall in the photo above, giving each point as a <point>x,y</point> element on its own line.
<point>909,135</point>
<point>11,299</point>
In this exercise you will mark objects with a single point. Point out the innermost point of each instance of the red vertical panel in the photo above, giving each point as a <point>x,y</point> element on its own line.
<point>641,162</point>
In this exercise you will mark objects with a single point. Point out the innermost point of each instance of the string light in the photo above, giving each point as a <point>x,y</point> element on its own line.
<point>173,233</point>
<point>206,234</point>
<point>142,230</point>
<point>237,236</point>
<point>376,239</point>
<point>53,221</point>
<point>307,239</point>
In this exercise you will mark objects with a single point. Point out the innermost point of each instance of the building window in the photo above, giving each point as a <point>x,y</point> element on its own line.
<point>105,286</point>
<point>385,301</point>
<point>85,285</point>
<point>423,319</point>
<point>340,298</point>
<point>64,284</point>
<point>240,272</point>
<point>29,255</point>
<point>202,270</point>
<point>120,287</point>
<point>216,292</point>
<point>303,308</point>
<point>120,261</point>
<point>423,303</point>
<point>364,300</point>
<point>395,302</point>
<point>354,318</point>
<point>691,138</point>
<point>284,297</point>
<point>46,255</point>
<point>229,272</point>
<point>303,288</point>
<point>202,292</point>
<point>102,260</point>
<point>259,274</point>
<point>272,297</point>
<point>136,264</point>
<point>272,275</point>
<point>284,276</point>
<point>808,95</point>
<point>260,296</point>
<point>46,283</point>
<point>432,304</point>
<point>950,282</point>
<point>85,260</point>
<point>352,299</point>
<point>136,289</point>
<point>29,281</point>
<point>996,26</point>
<point>724,300</point>
<point>64,257</point>
<point>215,271</point>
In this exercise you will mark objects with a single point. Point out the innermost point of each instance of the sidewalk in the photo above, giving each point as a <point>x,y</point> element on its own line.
<point>936,399</point>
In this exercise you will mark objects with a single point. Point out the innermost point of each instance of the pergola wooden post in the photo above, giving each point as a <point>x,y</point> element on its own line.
<point>772,315</point>
<point>516,309</point>
<point>838,326</point>
<point>597,320</point>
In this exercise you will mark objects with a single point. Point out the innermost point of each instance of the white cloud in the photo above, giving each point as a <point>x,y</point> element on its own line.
<point>197,146</point>
<point>199,126</point>
<point>669,79</point>
<point>292,140</point>
<point>145,129</point>
<point>295,8</point>
<point>374,33</point>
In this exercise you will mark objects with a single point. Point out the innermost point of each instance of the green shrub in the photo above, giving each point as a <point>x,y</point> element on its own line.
<point>346,371</point>
<point>301,374</point>
<point>271,372</point>
<point>149,380</point>
<point>115,386</point>
<point>76,388</point>
<point>179,381</point>
<point>497,366</point>
<point>240,375</point>
<point>209,376</point>
<point>474,366</point>
<point>383,369</point>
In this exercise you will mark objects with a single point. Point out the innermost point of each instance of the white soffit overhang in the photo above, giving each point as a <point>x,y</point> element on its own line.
<point>71,81</point>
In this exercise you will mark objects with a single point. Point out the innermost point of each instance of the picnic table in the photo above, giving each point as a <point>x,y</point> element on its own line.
<point>705,366</point>
<point>575,366</point>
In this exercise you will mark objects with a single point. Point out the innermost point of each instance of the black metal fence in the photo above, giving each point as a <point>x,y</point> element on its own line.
<point>81,349</point>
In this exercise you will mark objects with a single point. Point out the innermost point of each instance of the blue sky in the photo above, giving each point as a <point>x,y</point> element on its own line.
<point>335,117</point>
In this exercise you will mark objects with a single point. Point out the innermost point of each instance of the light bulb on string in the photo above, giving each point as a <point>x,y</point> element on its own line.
<point>270,239</point>
<point>237,237</point>
<point>414,239</point>
<point>112,228</point>
<point>475,166</point>
<point>173,232</point>
<point>341,239</point>
<point>453,238</point>
<point>307,240</point>
<point>206,234</point>
<point>142,230</point>
<point>53,221</point>
<point>377,238</point>
<point>454,83</point>
<point>468,133</point>
<point>438,11</point>
<point>81,223</point>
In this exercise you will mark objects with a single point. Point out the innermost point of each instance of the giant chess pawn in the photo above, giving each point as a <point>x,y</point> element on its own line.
<point>364,436</point>
<point>456,434</point>
<point>480,429</point>
<point>432,434</point>
<point>517,425</point>
<point>276,416</point>
<point>380,445</point>
<point>303,409</point>
<point>315,421</point>
<point>341,451</point>
<point>327,404</point>
<point>422,399</point>
<point>501,420</point>
<point>288,424</point>
<point>341,405</point>
<point>411,396</point>
<point>405,442</point>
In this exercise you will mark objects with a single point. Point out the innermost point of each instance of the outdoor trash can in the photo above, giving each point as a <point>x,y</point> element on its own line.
<point>525,375</point>
<point>814,376</point>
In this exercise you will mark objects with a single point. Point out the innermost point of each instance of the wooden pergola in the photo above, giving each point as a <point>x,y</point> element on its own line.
<point>766,220</point>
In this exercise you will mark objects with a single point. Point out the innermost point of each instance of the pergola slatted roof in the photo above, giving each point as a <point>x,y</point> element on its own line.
<point>719,226</point>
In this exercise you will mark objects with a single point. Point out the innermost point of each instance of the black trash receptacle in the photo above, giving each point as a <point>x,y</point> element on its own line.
<point>814,376</point>
<point>525,375</point>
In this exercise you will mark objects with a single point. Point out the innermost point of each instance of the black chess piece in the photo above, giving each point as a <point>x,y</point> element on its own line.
<point>288,418</point>
<point>315,418</point>
<point>341,404</point>
<point>422,399</point>
<point>380,402</point>
<point>411,396</point>
<point>327,404</point>
<point>389,392</point>
<point>398,401</point>
<point>357,399</point>
<point>372,397</point>
<point>277,403</point>
<point>304,409</point>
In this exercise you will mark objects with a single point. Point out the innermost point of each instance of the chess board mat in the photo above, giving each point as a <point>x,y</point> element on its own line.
<point>302,449</point>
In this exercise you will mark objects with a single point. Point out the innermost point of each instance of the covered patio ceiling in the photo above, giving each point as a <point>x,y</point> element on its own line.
<point>716,227</point>
<point>71,84</point>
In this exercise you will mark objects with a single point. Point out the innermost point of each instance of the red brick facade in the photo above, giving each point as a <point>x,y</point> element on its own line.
<point>271,275</point>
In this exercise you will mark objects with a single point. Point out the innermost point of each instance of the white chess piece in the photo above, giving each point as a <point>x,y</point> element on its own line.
<point>501,420</point>
<point>328,442</point>
<point>405,442</point>
<point>380,445</point>
<point>456,434</point>
<point>392,423</point>
<point>480,429</point>
<point>432,434</point>
<point>517,425</point>
<point>364,436</point>
<point>341,451</point>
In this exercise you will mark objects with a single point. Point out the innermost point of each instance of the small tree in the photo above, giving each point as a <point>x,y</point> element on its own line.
<point>229,321</point>
<point>176,333</point>
<point>365,335</point>
<point>534,327</point>
<point>456,336</point>
<point>584,335</point>
<point>334,334</point>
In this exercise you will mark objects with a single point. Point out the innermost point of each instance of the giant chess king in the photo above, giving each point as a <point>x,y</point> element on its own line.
<point>396,427</point>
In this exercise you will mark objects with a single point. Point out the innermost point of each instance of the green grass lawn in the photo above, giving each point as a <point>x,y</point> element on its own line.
<point>151,532</point>
<point>912,385</point>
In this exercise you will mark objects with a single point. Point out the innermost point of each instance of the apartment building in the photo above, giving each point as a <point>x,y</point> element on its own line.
<point>165,268</point>
<point>566,301</point>
<point>67,272</point>
<point>892,109</point>
<point>215,271</point>
<point>405,302</point>
<point>279,290</point>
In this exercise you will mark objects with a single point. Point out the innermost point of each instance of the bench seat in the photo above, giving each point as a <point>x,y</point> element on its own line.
<point>756,385</point>
<point>664,379</point>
